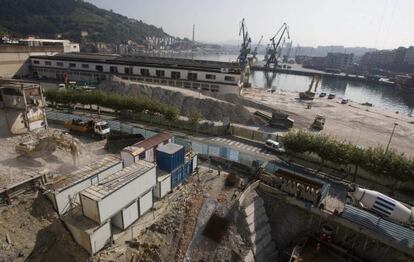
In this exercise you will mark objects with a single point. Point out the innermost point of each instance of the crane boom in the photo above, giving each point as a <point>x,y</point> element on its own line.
<point>254,53</point>
<point>272,53</point>
<point>245,46</point>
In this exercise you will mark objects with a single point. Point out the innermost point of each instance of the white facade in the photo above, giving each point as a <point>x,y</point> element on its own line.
<point>105,200</point>
<point>163,186</point>
<point>145,202</point>
<point>128,215</point>
<point>68,46</point>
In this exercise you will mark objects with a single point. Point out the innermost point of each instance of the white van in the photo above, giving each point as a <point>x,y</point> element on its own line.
<point>274,146</point>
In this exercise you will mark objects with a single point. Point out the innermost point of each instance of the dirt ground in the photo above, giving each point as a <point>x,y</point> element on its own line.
<point>15,168</point>
<point>353,122</point>
<point>30,230</point>
<point>177,228</point>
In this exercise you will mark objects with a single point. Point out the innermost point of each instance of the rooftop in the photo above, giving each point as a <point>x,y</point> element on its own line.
<point>117,180</point>
<point>144,60</point>
<point>146,144</point>
<point>17,84</point>
<point>169,148</point>
<point>85,172</point>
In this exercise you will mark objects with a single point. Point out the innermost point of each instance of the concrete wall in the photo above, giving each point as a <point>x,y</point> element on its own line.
<point>80,236</point>
<point>290,224</point>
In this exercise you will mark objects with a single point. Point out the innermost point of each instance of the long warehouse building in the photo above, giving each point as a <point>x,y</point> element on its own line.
<point>200,75</point>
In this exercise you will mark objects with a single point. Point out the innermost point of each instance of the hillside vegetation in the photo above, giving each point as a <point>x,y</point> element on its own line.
<point>46,18</point>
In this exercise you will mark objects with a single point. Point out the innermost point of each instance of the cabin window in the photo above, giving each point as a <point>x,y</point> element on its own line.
<point>230,78</point>
<point>99,68</point>
<point>59,64</point>
<point>72,65</point>
<point>48,63</point>
<point>113,69</point>
<point>145,72</point>
<point>36,62</point>
<point>128,71</point>
<point>205,87</point>
<point>175,75</point>
<point>160,73</point>
<point>85,66</point>
<point>214,88</point>
<point>210,77</point>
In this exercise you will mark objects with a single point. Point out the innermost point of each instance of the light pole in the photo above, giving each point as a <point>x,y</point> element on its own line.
<point>392,134</point>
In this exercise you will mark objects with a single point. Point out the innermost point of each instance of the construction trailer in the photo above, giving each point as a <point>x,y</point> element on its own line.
<point>64,191</point>
<point>21,107</point>
<point>144,150</point>
<point>169,156</point>
<point>163,186</point>
<point>118,192</point>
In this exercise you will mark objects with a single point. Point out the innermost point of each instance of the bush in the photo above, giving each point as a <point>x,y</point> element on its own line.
<point>374,160</point>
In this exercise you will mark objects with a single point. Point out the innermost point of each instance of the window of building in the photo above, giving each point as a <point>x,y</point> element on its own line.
<point>192,76</point>
<point>214,88</point>
<point>59,64</point>
<point>128,71</point>
<point>205,87</point>
<point>210,77</point>
<point>72,65</point>
<point>175,75</point>
<point>36,62</point>
<point>230,78</point>
<point>144,72</point>
<point>99,68</point>
<point>160,73</point>
<point>113,69</point>
<point>48,63</point>
<point>85,66</point>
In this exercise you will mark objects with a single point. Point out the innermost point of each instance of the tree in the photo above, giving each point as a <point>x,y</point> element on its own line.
<point>194,117</point>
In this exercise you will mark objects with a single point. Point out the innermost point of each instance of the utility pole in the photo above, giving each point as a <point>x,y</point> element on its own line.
<point>392,134</point>
<point>192,43</point>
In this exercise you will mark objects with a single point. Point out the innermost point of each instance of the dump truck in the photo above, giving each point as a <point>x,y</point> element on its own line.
<point>95,128</point>
<point>319,122</point>
<point>382,205</point>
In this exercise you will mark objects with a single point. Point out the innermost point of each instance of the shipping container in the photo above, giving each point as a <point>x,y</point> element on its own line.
<point>145,203</point>
<point>126,216</point>
<point>169,156</point>
<point>103,201</point>
<point>182,172</point>
<point>163,186</point>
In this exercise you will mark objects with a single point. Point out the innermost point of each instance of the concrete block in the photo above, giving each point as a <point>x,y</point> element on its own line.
<point>258,223</point>
<point>253,216</point>
<point>256,204</point>
<point>262,232</point>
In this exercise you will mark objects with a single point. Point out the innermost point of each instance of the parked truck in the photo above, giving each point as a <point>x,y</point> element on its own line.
<point>319,122</point>
<point>95,128</point>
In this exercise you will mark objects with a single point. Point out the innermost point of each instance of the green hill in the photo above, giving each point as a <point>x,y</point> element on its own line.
<point>46,18</point>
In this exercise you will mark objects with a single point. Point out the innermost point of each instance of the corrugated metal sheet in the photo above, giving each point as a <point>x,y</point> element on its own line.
<point>169,156</point>
<point>403,235</point>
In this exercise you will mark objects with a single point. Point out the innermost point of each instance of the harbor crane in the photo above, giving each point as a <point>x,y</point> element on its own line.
<point>274,46</point>
<point>254,53</point>
<point>245,46</point>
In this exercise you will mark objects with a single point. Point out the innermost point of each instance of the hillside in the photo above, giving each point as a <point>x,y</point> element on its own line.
<point>46,18</point>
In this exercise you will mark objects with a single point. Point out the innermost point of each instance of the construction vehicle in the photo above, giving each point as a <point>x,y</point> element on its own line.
<point>382,205</point>
<point>95,128</point>
<point>309,94</point>
<point>272,52</point>
<point>43,144</point>
<point>319,122</point>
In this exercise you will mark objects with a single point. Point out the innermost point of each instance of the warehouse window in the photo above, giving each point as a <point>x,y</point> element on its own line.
<point>192,76</point>
<point>210,77</point>
<point>160,73</point>
<point>113,69</point>
<point>99,68</point>
<point>145,72</point>
<point>36,62</point>
<point>48,63</point>
<point>85,66</point>
<point>72,65</point>
<point>59,64</point>
<point>175,75</point>
<point>230,78</point>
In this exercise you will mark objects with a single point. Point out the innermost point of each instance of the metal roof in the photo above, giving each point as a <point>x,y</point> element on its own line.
<point>85,172</point>
<point>143,60</point>
<point>169,148</point>
<point>400,234</point>
<point>117,180</point>
<point>146,144</point>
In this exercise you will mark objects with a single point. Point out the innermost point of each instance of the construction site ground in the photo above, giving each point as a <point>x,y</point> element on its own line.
<point>175,228</point>
<point>353,122</point>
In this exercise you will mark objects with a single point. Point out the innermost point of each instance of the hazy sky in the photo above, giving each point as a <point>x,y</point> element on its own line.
<point>369,23</point>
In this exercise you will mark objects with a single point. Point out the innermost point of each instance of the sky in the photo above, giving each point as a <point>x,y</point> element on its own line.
<point>382,24</point>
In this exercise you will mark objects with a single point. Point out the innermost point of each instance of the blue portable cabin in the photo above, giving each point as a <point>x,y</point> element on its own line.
<point>169,156</point>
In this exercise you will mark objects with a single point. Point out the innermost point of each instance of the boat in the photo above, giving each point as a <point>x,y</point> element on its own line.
<point>322,94</point>
<point>331,96</point>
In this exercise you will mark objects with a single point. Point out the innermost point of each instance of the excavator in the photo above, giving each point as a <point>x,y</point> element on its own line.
<point>309,94</point>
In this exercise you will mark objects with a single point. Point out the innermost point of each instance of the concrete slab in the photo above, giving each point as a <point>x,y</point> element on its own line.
<point>257,203</point>
<point>255,215</point>
<point>259,223</point>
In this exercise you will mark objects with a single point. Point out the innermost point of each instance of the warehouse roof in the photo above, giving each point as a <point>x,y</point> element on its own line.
<point>169,148</point>
<point>146,144</point>
<point>143,60</point>
<point>85,172</point>
<point>117,180</point>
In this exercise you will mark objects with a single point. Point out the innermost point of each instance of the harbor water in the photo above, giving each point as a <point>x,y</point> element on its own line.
<point>386,97</point>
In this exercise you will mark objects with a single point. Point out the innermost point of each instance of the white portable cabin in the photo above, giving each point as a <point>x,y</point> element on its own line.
<point>145,149</point>
<point>64,192</point>
<point>118,191</point>
<point>87,233</point>
<point>163,186</point>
